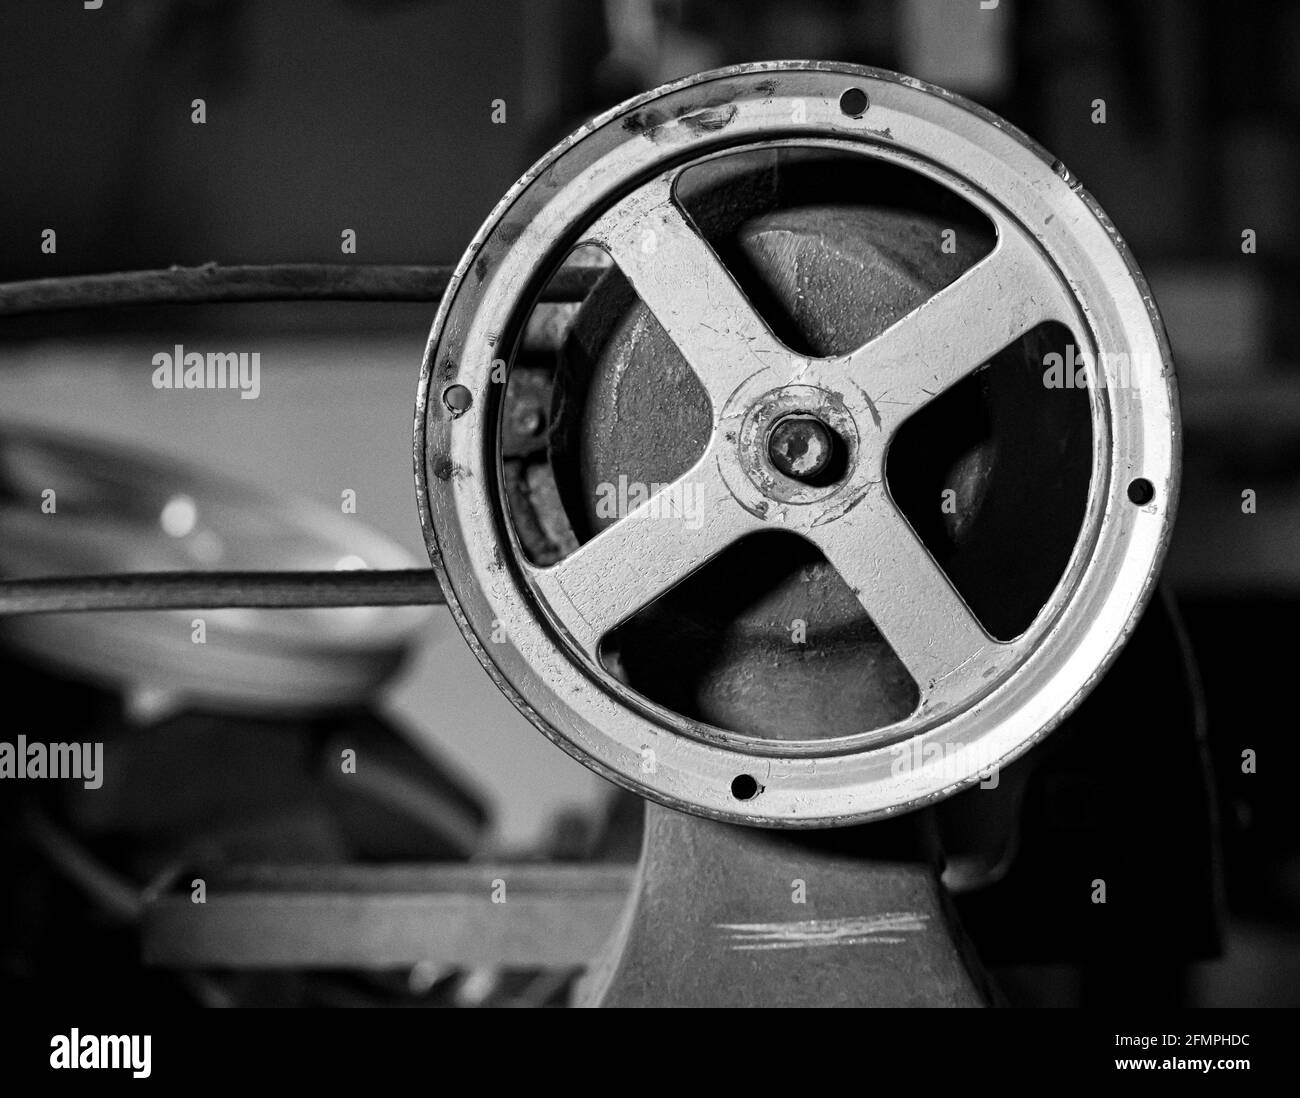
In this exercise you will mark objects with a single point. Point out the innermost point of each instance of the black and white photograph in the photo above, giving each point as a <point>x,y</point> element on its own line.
<point>648,504</point>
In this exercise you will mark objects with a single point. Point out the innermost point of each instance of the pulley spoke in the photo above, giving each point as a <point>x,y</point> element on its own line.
<point>960,328</point>
<point>678,528</point>
<point>913,604</point>
<point>689,291</point>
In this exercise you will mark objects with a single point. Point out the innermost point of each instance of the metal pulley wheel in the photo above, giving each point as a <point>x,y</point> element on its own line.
<point>820,358</point>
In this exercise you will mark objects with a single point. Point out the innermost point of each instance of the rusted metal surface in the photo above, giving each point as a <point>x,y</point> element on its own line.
<point>217,590</point>
<point>730,916</point>
<point>212,283</point>
<point>388,917</point>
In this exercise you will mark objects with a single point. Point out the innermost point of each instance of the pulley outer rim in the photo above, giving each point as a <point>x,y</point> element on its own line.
<point>456,477</point>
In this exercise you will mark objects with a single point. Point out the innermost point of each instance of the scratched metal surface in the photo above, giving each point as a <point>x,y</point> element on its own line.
<point>770,919</point>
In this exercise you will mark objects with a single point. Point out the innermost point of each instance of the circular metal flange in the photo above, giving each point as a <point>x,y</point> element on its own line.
<point>983,702</point>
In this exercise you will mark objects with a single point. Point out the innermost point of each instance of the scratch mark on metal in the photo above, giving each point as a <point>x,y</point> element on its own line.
<point>871,407</point>
<point>810,933</point>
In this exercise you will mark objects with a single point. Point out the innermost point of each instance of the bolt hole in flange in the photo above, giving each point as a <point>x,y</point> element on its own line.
<point>854,102</point>
<point>1141,491</point>
<point>650,597</point>
<point>457,399</point>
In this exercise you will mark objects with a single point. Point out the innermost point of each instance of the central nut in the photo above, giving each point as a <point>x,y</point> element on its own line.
<point>802,447</point>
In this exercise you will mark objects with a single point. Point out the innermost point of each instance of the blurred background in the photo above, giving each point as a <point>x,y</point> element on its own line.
<point>376,116</point>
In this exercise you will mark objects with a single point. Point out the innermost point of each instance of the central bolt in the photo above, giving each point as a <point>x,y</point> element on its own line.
<point>801,446</point>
